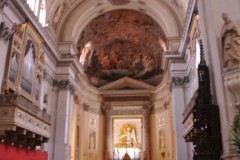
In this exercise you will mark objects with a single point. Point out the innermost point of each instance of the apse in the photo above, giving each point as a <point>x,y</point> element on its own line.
<point>122,43</point>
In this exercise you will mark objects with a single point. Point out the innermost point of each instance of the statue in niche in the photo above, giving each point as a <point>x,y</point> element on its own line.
<point>230,43</point>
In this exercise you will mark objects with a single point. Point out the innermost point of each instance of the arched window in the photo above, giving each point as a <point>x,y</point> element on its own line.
<point>197,52</point>
<point>13,68</point>
<point>39,9</point>
<point>28,68</point>
<point>42,13</point>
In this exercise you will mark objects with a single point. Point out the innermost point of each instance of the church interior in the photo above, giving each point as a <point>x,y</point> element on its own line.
<point>120,80</point>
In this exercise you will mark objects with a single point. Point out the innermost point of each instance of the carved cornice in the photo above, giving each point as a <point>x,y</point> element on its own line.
<point>5,32</point>
<point>172,56</point>
<point>3,3</point>
<point>126,81</point>
<point>125,112</point>
<point>190,10</point>
<point>92,109</point>
<point>24,104</point>
<point>64,85</point>
<point>145,110</point>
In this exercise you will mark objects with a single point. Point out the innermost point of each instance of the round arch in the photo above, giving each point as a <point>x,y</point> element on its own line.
<point>78,16</point>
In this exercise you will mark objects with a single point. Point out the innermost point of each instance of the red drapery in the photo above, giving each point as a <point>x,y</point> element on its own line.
<point>14,153</point>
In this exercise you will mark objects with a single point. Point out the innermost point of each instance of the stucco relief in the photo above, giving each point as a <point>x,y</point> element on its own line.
<point>92,137</point>
<point>93,123</point>
<point>58,14</point>
<point>230,43</point>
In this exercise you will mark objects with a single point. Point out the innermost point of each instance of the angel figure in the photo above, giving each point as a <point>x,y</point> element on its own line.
<point>131,138</point>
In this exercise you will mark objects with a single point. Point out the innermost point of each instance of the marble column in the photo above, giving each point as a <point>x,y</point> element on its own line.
<point>62,144</point>
<point>178,105</point>
<point>107,128</point>
<point>146,134</point>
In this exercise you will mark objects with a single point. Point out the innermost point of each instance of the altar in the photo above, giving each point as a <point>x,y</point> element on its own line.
<point>126,119</point>
<point>127,138</point>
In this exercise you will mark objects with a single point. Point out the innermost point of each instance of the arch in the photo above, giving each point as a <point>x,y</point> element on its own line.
<point>77,18</point>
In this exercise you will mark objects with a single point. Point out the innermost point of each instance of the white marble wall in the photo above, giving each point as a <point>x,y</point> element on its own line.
<point>211,23</point>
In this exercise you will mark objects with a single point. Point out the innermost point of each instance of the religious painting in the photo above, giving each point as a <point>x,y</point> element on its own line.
<point>58,14</point>
<point>127,138</point>
<point>108,51</point>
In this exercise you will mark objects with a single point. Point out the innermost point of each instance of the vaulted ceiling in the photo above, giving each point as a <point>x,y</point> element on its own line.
<point>117,38</point>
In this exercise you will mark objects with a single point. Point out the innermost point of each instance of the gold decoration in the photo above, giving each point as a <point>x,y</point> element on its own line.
<point>19,28</point>
<point>41,57</point>
<point>127,136</point>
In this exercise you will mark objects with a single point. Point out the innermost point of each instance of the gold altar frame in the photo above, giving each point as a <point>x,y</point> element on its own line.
<point>119,125</point>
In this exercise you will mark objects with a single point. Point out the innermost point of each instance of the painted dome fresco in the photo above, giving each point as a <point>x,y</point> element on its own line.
<point>122,43</point>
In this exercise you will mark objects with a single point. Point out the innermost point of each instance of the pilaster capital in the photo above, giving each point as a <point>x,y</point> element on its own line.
<point>85,107</point>
<point>106,109</point>
<point>178,81</point>
<point>146,110</point>
<point>64,85</point>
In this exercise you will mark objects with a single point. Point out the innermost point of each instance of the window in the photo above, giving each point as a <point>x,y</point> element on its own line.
<point>86,53</point>
<point>39,9</point>
<point>197,52</point>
